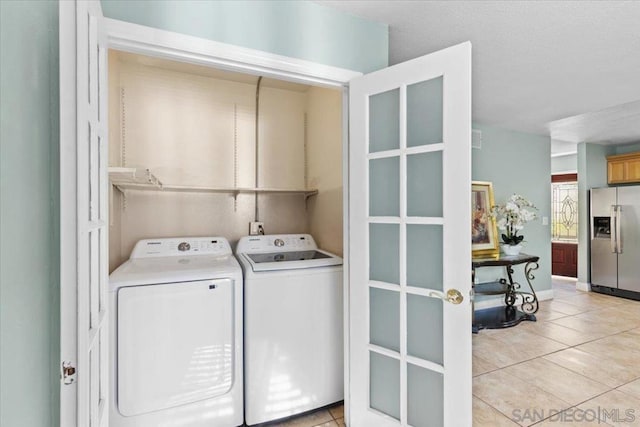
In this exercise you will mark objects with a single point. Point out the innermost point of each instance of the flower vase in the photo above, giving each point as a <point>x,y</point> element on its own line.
<point>511,250</point>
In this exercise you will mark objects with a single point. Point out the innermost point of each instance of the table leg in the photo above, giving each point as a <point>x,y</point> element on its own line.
<point>530,300</point>
<point>510,295</point>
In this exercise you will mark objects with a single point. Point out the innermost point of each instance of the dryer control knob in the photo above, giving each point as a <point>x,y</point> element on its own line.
<point>184,246</point>
<point>278,242</point>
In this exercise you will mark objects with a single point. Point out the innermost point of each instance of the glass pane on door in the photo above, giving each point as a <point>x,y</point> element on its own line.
<point>384,391</point>
<point>384,121</point>
<point>424,328</point>
<point>424,256</point>
<point>384,318</point>
<point>424,184</point>
<point>384,187</point>
<point>384,244</point>
<point>424,397</point>
<point>424,113</point>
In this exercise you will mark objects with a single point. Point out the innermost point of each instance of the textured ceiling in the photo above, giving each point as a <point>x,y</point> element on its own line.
<point>534,62</point>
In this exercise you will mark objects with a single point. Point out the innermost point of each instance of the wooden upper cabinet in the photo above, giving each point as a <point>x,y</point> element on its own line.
<point>632,169</point>
<point>623,168</point>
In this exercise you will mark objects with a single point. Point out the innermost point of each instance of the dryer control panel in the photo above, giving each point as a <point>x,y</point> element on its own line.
<point>276,243</point>
<point>181,246</point>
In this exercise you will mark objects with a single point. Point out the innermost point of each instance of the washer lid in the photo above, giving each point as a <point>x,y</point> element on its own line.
<point>146,271</point>
<point>176,259</point>
<point>291,260</point>
<point>287,256</point>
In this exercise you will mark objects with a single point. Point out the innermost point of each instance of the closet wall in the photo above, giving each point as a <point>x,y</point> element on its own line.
<point>324,167</point>
<point>195,126</point>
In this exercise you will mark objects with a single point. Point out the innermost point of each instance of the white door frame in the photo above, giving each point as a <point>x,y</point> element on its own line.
<point>68,197</point>
<point>184,48</point>
<point>83,192</point>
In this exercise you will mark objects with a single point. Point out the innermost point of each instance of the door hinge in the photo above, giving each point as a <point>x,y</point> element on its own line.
<point>68,373</point>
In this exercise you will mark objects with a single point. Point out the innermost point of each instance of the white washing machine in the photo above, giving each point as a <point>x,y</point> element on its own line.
<point>176,335</point>
<point>293,333</point>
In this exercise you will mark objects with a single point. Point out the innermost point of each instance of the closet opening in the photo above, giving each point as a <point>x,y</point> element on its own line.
<point>183,158</point>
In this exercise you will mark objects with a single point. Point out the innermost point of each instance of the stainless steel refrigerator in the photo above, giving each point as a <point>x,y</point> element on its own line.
<point>615,241</point>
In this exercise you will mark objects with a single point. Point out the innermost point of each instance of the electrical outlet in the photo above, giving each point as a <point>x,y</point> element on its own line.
<point>256,228</point>
<point>545,220</point>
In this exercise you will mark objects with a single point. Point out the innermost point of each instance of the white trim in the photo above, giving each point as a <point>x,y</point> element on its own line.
<point>584,287</point>
<point>545,295</point>
<point>403,255</point>
<point>566,153</point>
<point>383,285</point>
<point>425,364</point>
<point>565,172</point>
<point>385,351</point>
<point>407,220</point>
<point>405,150</point>
<point>144,40</point>
<point>384,219</point>
<point>68,225</point>
<point>345,250</point>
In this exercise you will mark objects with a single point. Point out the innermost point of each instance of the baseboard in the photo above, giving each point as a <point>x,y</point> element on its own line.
<point>584,287</point>
<point>547,294</point>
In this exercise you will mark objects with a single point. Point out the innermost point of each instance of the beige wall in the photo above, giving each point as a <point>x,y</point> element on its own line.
<point>179,122</point>
<point>324,167</point>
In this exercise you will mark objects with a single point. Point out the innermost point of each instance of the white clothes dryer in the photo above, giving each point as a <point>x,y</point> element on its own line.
<point>293,326</point>
<point>176,335</point>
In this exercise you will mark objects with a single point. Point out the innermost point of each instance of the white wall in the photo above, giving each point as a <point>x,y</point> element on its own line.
<point>564,164</point>
<point>181,123</point>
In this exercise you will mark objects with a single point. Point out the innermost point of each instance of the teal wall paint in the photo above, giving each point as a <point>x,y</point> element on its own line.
<point>626,148</point>
<point>564,164</point>
<point>29,291</point>
<point>592,172</point>
<point>519,163</point>
<point>299,29</point>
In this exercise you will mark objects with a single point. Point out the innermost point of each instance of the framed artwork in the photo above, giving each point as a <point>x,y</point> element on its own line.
<point>484,234</point>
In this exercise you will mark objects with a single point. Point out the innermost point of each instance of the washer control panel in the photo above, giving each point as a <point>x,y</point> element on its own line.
<point>181,246</point>
<point>276,243</point>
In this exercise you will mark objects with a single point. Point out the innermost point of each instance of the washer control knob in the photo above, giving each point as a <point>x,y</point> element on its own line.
<point>278,242</point>
<point>184,246</point>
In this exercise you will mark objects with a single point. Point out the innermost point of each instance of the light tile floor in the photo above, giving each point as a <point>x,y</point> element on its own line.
<point>578,362</point>
<point>578,365</point>
<point>329,417</point>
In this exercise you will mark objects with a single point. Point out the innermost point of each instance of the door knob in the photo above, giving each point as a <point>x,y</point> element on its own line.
<point>454,296</point>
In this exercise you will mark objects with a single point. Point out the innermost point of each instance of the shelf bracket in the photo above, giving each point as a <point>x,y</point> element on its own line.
<point>124,196</point>
<point>235,201</point>
<point>307,196</point>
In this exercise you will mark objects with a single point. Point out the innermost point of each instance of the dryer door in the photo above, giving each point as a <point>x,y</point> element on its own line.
<point>175,344</point>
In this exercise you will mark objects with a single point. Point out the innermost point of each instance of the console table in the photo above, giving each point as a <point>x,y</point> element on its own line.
<point>507,315</point>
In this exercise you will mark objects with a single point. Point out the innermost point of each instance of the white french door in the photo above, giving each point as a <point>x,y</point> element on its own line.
<point>84,207</point>
<point>410,243</point>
